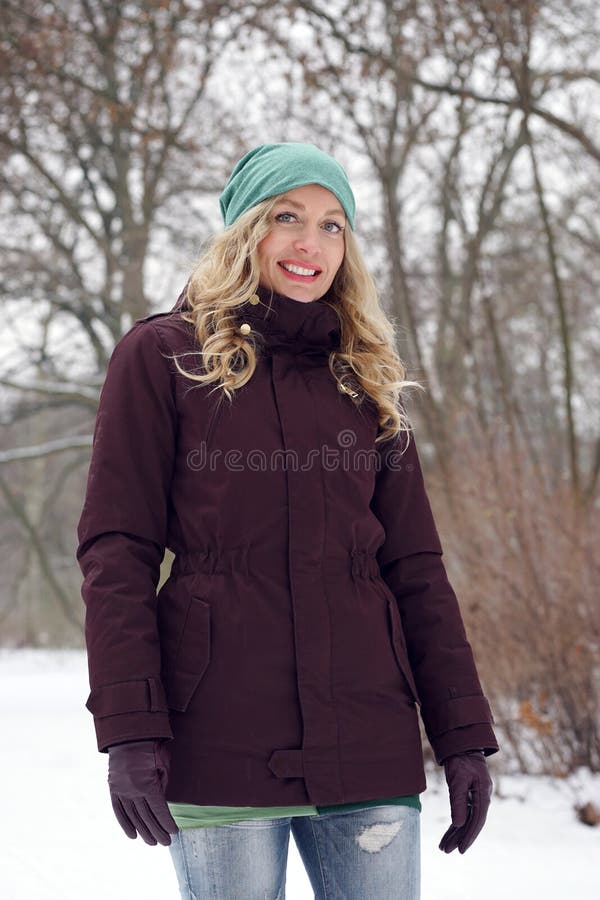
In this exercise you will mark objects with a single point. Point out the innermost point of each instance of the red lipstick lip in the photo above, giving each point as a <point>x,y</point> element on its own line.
<point>303,265</point>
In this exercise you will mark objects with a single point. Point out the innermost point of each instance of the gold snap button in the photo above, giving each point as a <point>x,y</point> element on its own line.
<point>245,328</point>
<point>254,299</point>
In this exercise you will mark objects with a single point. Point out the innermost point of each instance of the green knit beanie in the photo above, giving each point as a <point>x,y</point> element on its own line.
<point>271,169</point>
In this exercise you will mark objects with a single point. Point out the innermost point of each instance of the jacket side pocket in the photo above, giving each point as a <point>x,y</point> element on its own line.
<point>399,641</point>
<point>184,673</point>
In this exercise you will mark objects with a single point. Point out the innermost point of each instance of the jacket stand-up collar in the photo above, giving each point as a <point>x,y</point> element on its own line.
<point>294,325</point>
<point>286,323</point>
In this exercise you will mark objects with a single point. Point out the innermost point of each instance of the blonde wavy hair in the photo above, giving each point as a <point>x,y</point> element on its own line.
<point>228,272</point>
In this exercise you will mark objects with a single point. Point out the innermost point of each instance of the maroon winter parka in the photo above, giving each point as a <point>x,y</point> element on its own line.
<point>307,617</point>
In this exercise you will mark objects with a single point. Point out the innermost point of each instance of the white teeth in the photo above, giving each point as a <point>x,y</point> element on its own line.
<point>297,270</point>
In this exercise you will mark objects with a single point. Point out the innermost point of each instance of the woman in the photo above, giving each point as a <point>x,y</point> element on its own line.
<point>272,684</point>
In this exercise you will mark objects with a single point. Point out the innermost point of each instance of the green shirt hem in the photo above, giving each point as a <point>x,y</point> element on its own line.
<point>189,815</point>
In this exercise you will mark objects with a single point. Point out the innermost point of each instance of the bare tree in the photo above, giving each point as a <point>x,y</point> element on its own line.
<point>109,140</point>
<point>470,130</point>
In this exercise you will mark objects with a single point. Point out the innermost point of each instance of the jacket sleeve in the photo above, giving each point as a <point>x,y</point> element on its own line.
<point>122,535</point>
<point>456,714</point>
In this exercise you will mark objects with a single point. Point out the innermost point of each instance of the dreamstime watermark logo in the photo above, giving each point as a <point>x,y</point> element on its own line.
<point>347,456</point>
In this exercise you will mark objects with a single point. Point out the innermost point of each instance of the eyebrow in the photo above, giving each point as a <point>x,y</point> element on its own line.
<point>329,212</point>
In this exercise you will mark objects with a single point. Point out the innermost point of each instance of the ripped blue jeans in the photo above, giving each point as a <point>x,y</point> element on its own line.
<point>366,854</point>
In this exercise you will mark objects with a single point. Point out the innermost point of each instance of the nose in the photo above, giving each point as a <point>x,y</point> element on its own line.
<point>308,240</point>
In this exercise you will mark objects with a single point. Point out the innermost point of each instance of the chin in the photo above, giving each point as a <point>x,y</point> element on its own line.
<point>297,291</point>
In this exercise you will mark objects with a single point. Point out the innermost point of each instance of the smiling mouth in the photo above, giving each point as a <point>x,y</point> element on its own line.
<point>299,273</point>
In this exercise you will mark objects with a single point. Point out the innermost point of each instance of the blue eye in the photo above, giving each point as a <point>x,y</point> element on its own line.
<point>340,228</point>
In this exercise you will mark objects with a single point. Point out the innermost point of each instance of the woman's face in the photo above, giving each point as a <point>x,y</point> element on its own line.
<point>307,233</point>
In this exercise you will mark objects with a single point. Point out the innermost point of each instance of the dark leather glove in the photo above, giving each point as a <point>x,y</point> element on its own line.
<point>137,777</point>
<point>470,787</point>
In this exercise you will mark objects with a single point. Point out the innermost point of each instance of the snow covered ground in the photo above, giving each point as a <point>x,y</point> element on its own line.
<point>59,839</point>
